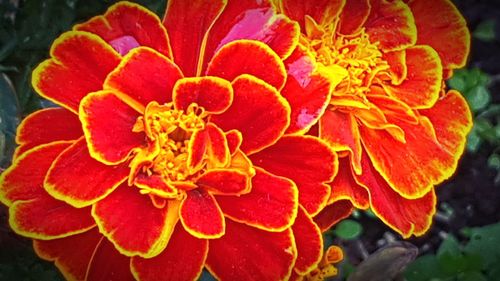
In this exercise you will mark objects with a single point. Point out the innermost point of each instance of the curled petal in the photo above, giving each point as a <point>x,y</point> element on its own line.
<point>125,19</point>
<point>333,213</point>
<point>271,205</point>
<point>183,259</point>
<point>394,108</point>
<point>353,16</point>
<point>344,187</point>
<point>201,216</point>
<point>247,253</point>
<point>80,61</point>
<point>234,140</point>
<point>225,182</point>
<point>309,242</point>
<point>398,70</point>
<point>214,94</point>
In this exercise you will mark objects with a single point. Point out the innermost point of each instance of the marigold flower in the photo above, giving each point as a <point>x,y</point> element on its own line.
<point>168,152</point>
<point>391,115</point>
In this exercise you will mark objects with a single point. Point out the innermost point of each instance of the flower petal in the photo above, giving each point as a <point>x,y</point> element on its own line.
<point>129,19</point>
<point>307,161</point>
<point>393,107</point>
<point>80,62</point>
<point>322,11</point>
<point>423,82</point>
<point>133,224</point>
<point>405,216</point>
<point>398,70</point>
<point>201,216</point>
<point>234,140</point>
<point>79,180</point>
<point>218,149</point>
<point>344,187</point>
<point>441,26</point>
<point>71,254</point>
<point>258,111</point>
<point>45,126</point>
<point>353,16</point>
<point>108,264</point>
<point>333,213</point>
<point>309,243</point>
<point>247,253</point>
<point>188,24</point>
<point>108,123</point>
<point>214,94</point>
<point>271,205</point>
<point>144,75</point>
<point>391,23</point>
<point>197,148</point>
<point>248,57</point>
<point>225,182</point>
<point>183,259</point>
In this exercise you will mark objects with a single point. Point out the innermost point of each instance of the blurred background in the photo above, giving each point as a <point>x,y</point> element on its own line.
<point>462,245</point>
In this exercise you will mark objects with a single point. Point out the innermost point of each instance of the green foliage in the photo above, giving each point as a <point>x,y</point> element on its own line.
<point>348,229</point>
<point>476,259</point>
<point>485,31</point>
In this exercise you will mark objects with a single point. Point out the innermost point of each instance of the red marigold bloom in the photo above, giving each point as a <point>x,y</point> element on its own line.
<point>168,152</point>
<point>403,133</point>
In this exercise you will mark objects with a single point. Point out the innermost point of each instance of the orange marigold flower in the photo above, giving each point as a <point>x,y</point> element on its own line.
<point>168,152</point>
<point>326,268</point>
<point>397,129</point>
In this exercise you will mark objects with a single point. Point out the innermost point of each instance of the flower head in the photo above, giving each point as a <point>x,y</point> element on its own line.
<point>168,152</point>
<point>390,114</point>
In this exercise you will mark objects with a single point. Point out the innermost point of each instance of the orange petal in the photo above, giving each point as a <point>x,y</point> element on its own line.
<point>248,57</point>
<point>308,162</point>
<point>394,108</point>
<point>154,184</point>
<point>71,254</point>
<point>309,243</point>
<point>188,23</point>
<point>133,224</point>
<point>353,16</point>
<point>441,26</point>
<point>214,94</point>
<point>406,216</point>
<point>246,253</point>
<point>423,83</point>
<point>80,61</point>
<point>201,216</point>
<point>108,124</point>
<point>79,180</point>
<point>258,111</point>
<point>340,131</point>
<point>108,264</point>
<point>45,126</point>
<point>322,11</point>
<point>344,187</point>
<point>183,259</point>
<point>333,213</point>
<point>128,19</point>
<point>391,23</point>
<point>143,76</point>
<point>398,70</point>
<point>225,182</point>
<point>271,205</point>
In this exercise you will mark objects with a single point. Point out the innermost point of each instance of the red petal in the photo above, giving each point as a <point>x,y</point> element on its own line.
<point>340,131</point>
<point>308,162</point>
<point>197,148</point>
<point>258,111</point>
<point>309,243</point>
<point>214,94</point>
<point>234,140</point>
<point>423,82</point>
<point>108,123</point>
<point>133,224</point>
<point>405,216</point>
<point>107,264</point>
<point>80,62</point>
<point>154,184</point>
<point>248,57</point>
<point>143,76</point>
<point>225,182</point>
<point>45,126</point>
<point>201,215</point>
<point>23,180</point>
<point>271,205</point>
<point>441,26</point>
<point>394,108</point>
<point>398,69</point>
<point>391,24</point>
<point>322,11</point>
<point>344,187</point>
<point>333,213</point>
<point>183,259</point>
<point>79,180</point>
<point>129,19</point>
<point>71,254</point>
<point>247,253</point>
<point>353,16</point>
<point>218,151</point>
<point>187,23</point>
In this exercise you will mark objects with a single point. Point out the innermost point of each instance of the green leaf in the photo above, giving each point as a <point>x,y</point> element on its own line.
<point>478,97</point>
<point>457,82</point>
<point>424,268</point>
<point>471,276</point>
<point>485,31</point>
<point>348,230</point>
<point>473,141</point>
<point>485,242</point>
<point>494,161</point>
<point>449,245</point>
